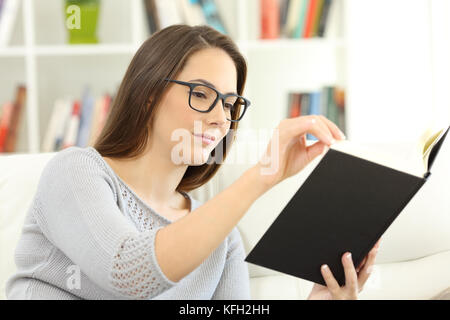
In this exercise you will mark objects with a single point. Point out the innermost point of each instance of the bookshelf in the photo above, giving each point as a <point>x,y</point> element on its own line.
<point>51,69</point>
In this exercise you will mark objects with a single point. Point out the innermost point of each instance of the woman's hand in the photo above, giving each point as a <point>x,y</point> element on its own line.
<point>354,279</point>
<point>287,153</point>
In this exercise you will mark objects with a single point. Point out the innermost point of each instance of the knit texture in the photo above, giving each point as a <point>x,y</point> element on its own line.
<point>88,235</point>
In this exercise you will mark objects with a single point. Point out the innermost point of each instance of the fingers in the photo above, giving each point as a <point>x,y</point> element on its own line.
<point>337,133</point>
<point>351,278</point>
<point>309,124</point>
<point>331,282</point>
<point>361,264</point>
<point>368,266</point>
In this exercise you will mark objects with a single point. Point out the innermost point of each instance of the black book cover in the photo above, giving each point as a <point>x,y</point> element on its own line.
<point>345,204</point>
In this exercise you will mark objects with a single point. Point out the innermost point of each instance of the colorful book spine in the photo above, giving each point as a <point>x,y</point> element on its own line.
<point>16,117</point>
<point>309,22</point>
<point>323,18</point>
<point>5,120</point>
<point>270,19</point>
<point>85,118</point>
<point>70,137</point>
<point>299,28</point>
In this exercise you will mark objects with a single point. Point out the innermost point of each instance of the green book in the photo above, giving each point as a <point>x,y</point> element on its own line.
<point>298,31</point>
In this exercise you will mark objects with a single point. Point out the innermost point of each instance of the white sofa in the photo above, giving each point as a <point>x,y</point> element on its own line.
<point>413,261</point>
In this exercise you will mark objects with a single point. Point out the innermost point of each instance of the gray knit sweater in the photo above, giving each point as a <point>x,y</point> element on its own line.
<point>87,235</point>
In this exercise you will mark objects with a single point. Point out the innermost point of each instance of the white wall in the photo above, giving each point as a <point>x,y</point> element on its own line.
<point>440,30</point>
<point>389,75</point>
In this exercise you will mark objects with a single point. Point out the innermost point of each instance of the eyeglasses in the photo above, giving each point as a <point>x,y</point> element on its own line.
<point>203,98</point>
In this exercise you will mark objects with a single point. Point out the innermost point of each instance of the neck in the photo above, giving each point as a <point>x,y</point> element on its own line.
<point>153,176</point>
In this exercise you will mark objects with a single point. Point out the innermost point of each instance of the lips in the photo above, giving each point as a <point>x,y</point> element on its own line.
<point>206,137</point>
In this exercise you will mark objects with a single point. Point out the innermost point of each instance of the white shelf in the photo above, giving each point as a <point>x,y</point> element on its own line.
<point>85,49</point>
<point>18,51</point>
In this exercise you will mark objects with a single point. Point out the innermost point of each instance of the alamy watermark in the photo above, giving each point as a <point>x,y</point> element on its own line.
<point>73,21</point>
<point>249,147</point>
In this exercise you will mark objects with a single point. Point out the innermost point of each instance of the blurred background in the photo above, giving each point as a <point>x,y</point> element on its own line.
<point>379,69</point>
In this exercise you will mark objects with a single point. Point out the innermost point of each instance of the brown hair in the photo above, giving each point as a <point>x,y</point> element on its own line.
<point>161,56</point>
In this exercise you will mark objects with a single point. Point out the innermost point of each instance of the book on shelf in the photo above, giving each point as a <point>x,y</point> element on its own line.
<point>329,102</point>
<point>295,18</point>
<point>76,122</point>
<point>9,9</point>
<point>11,120</point>
<point>346,203</point>
<point>163,13</point>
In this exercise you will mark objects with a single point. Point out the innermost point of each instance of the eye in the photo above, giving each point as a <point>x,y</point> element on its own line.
<point>198,94</point>
<point>228,105</point>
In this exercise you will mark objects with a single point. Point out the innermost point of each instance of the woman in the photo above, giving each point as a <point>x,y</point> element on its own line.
<point>114,221</point>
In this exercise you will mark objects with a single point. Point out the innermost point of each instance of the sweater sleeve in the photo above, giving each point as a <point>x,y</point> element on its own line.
<point>76,209</point>
<point>235,282</point>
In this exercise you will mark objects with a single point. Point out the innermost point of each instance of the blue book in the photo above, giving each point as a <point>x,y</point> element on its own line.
<point>314,108</point>
<point>211,14</point>
<point>87,107</point>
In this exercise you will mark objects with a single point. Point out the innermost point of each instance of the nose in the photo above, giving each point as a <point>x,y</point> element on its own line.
<point>217,115</point>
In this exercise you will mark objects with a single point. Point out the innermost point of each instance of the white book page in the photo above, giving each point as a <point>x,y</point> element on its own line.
<point>405,158</point>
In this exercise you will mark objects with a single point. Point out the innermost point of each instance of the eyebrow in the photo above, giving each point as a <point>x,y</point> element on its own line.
<point>210,84</point>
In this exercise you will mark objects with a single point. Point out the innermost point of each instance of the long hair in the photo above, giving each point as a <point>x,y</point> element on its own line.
<point>163,55</point>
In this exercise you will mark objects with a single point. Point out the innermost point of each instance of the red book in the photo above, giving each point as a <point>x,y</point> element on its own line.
<point>4,124</point>
<point>295,105</point>
<point>270,19</point>
<point>310,15</point>
<point>16,116</point>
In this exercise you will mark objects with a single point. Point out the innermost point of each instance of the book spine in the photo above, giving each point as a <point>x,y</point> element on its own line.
<point>324,18</point>
<point>317,14</point>
<point>72,130</point>
<point>212,16</point>
<point>307,33</point>
<point>270,16</point>
<point>16,117</point>
<point>4,123</point>
<point>10,10</point>
<point>314,109</point>
<point>85,119</point>
<point>284,9</point>
<point>300,27</point>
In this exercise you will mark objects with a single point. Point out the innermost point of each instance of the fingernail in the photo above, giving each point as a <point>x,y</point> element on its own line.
<point>343,135</point>
<point>332,141</point>
<point>324,267</point>
<point>348,256</point>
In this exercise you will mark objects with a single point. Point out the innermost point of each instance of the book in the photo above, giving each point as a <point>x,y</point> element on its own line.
<point>152,16</point>
<point>192,13</point>
<point>323,18</point>
<point>299,28</point>
<point>270,19</point>
<point>309,19</point>
<point>48,143</point>
<point>346,203</point>
<point>16,119</point>
<point>9,12</point>
<point>168,13</point>
<point>5,121</point>
<point>317,14</point>
<point>314,109</point>
<point>87,108</point>
<point>70,136</point>
<point>212,16</point>
<point>292,17</point>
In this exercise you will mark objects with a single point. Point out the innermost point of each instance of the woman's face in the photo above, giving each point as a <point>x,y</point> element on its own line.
<point>176,123</point>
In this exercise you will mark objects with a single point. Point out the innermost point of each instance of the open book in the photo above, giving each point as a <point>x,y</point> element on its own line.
<point>418,164</point>
<point>346,204</point>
